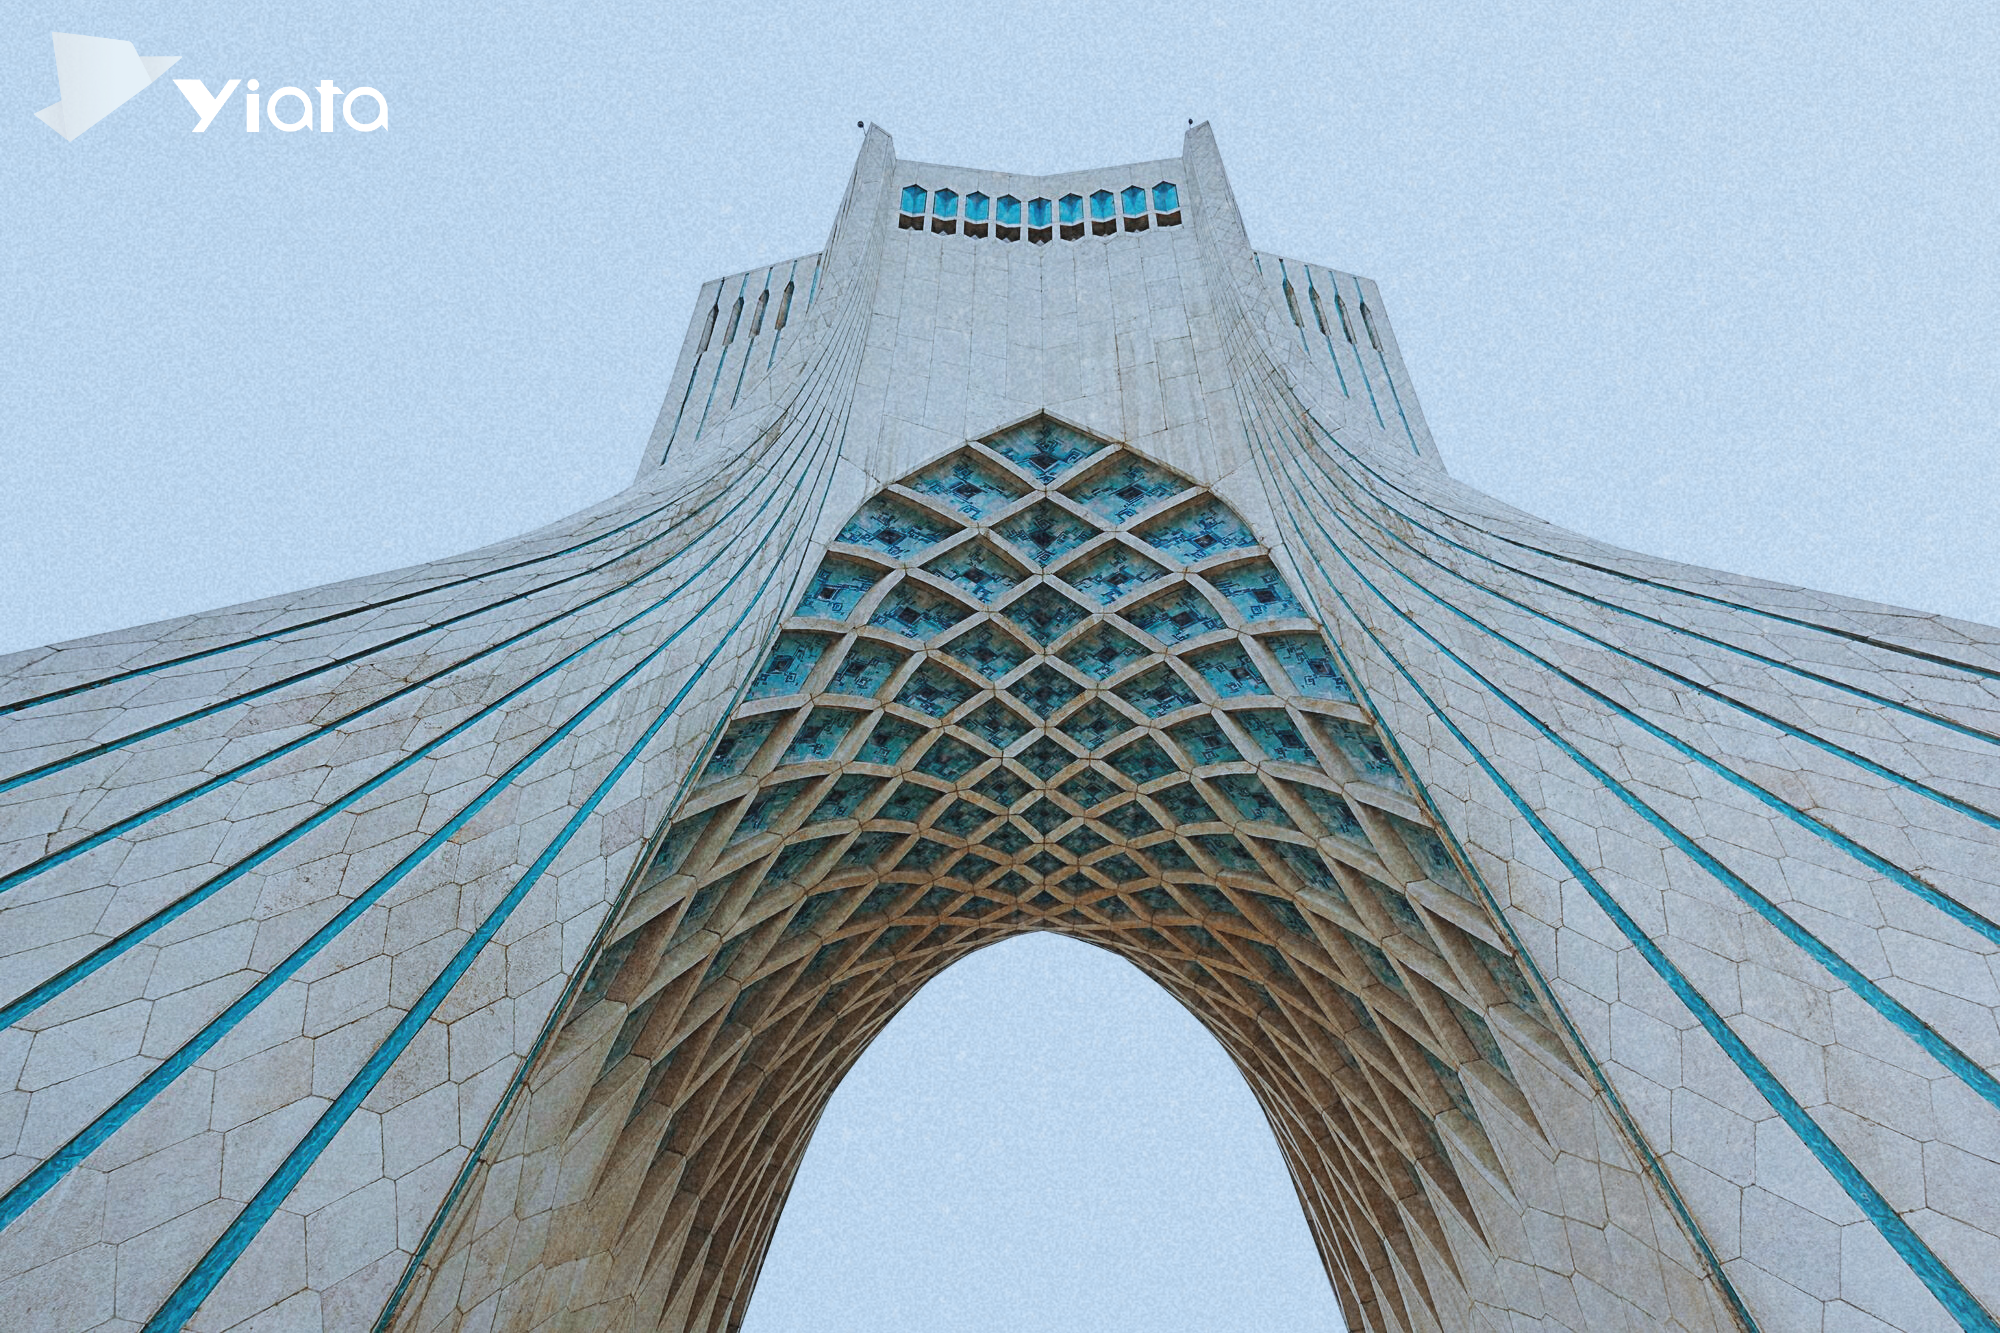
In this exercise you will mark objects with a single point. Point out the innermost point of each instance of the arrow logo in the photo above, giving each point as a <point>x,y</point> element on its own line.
<point>97,75</point>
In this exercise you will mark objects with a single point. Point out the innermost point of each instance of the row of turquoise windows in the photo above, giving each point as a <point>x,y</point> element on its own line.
<point>1006,209</point>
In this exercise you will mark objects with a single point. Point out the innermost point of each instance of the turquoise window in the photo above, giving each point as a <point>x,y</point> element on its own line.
<point>1039,211</point>
<point>975,207</point>
<point>1072,208</point>
<point>913,198</point>
<point>945,205</point>
<point>1166,198</point>
<point>1135,201</point>
<point>1007,211</point>
<point>1100,204</point>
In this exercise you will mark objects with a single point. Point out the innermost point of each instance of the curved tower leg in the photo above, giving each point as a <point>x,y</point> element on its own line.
<point>1609,942</point>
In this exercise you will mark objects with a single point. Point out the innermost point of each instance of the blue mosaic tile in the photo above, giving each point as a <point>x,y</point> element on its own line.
<point>1312,871</point>
<point>1257,591</point>
<point>1334,812</point>
<point>950,759</point>
<point>1007,840</point>
<point>675,847</point>
<point>885,744</point>
<point>1091,787</point>
<point>980,569</point>
<point>1142,761</point>
<point>736,747</point>
<point>1095,725</point>
<point>895,527</point>
<point>1045,758</point>
<point>1429,852</point>
<point>1123,487</point>
<point>1111,573</point>
<point>791,863</point>
<point>1204,742</point>
<point>989,650</point>
<point>1046,533</point>
<point>1197,531</point>
<point>1176,615</point>
<point>1045,816</point>
<point>1045,613</point>
<point>1001,787</point>
<point>1120,869</point>
<point>916,612</point>
<point>1309,662</point>
<point>1276,734</point>
<point>1169,857</point>
<point>1227,852</point>
<point>1132,820</point>
<point>820,735</point>
<point>1102,652</point>
<point>1184,805</point>
<point>1045,865</point>
<point>1251,800</point>
<point>845,798</point>
<point>963,817</point>
<point>1043,448</point>
<point>1228,670</point>
<point>767,808</point>
<point>1377,962</point>
<point>1045,689</point>
<point>1158,902</point>
<point>866,668</point>
<point>837,588</point>
<point>872,849</point>
<point>969,485</point>
<point>792,659</point>
<point>1403,914</point>
<point>923,855</point>
<point>1081,842</point>
<point>1012,884</point>
<point>1210,899</point>
<point>933,690</point>
<point>1364,750</point>
<point>1157,692</point>
<point>996,724</point>
<point>909,802</point>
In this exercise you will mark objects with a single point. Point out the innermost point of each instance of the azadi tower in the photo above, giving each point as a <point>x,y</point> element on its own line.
<point>1611,944</point>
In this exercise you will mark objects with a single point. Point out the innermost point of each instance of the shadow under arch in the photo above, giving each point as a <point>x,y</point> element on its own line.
<point>1042,1139</point>
<point>1043,683</point>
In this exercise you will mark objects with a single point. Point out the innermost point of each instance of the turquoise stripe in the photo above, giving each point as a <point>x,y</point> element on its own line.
<point>1384,360</point>
<point>69,691</point>
<point>16,877</point>
<point>1628,1126</point>
<point>209,1271</point>
<point>1938,1278</point>
<point>48,1173</point>
<point>556,1014</point>
<point>1318,318</point>
<point>1828,681</point>
<point>1935,1044</point>
<point>1930,893</point>
<point>33,999</point>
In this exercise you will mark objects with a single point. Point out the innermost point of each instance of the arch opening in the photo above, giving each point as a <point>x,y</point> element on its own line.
<point>1045,683</point>
<point>1042,1139</point>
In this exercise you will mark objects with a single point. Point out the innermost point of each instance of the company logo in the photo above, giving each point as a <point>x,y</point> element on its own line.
<point>97,75</point>
<point>207,104</point>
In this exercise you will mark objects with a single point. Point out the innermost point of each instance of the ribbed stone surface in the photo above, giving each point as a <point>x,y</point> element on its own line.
<point>1610,943</point>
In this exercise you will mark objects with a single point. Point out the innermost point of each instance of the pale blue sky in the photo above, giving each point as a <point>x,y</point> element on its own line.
<point>1714,282</point>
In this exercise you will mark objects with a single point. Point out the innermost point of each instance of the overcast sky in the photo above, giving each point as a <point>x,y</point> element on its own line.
<point>1713,283</point>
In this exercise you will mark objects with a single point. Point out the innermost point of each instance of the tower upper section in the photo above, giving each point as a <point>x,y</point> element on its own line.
<point>1117,297</point>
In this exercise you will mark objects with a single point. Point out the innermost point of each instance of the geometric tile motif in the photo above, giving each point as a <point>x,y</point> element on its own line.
<point>1209,882</point>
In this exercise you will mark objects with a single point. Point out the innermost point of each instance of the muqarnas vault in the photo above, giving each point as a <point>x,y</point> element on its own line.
<point>1610,943</point>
